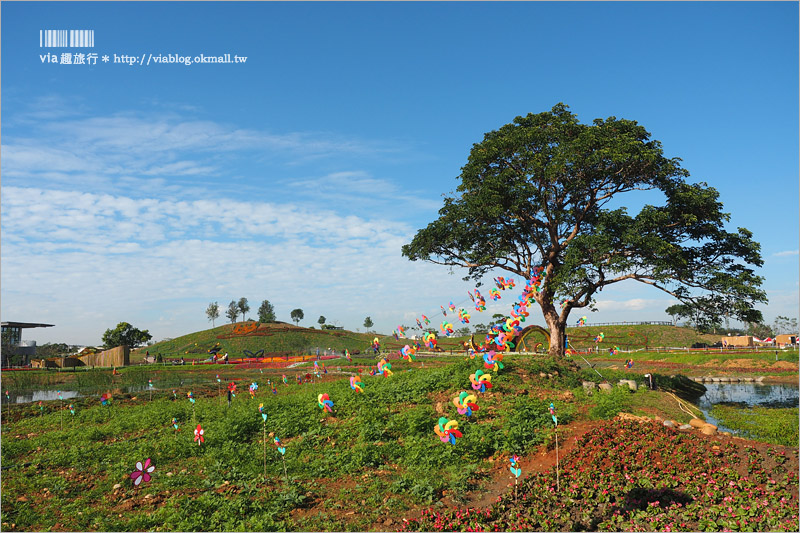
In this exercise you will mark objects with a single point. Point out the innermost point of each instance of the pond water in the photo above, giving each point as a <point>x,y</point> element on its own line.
<point>747,395</point>
<point>42,395</point>
<point>30,396</point>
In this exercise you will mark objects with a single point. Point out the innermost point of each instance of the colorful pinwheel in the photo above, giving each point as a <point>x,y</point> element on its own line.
<point>553,413</point>
<point>408,353</point>
<point>253,389</point>
<point>175,424</point>
<point>261,410</point>
<point>430,340</point>
<point>232,388</point>
<point>481,381</point>
<point>494,294</point>
<point>142,472</point>
<point>71,409</point>
<point>447,328</point>
<point>515,468</point>
<point>384,368</point>
<point>191,397</point>
<point>105,398</point>
<point>355,383</point>
<point>425,319</point>
<point>324,402</point>
<point>198,435</point>
<point>447,430</point>
<point>463,316</point>
<point>492,361</point>
<point>465,403</point>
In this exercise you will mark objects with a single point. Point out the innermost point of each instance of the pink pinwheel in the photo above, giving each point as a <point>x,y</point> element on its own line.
<point>198,435</point>
<point>142,473</point>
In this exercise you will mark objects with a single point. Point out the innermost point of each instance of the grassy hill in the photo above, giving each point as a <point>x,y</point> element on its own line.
<point>280,338</point>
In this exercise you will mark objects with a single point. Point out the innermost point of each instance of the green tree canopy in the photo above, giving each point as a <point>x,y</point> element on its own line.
<point>368,323</point>
<point>297,315</point>
<point>125,335</point>
<point>266,312</point>
<point>243,306</point>
<point>321,320</point>
<point>212,312</point>
<point>545,191</point>
<point>233,311</point>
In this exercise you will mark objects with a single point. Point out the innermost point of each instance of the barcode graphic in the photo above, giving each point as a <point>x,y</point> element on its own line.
<point>66,38</point>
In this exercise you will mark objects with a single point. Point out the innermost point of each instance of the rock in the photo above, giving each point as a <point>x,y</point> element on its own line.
<point>725,380</point>
<point>589,386</point>
<point>726,433</point>
<point>169,474</point>
<point>748,380</point>
<point>684,427</point>
<point>759,379</point>
<point>697,423</point>
<point>605,386</point>
<point>669,423</point>
<point>148,497</point>
<point>116,486</point>
<point>388,522</point>
<point>709,429</point>
<point>542,375</point>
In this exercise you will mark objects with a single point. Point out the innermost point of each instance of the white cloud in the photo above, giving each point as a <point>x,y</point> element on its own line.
<point>787,253</point>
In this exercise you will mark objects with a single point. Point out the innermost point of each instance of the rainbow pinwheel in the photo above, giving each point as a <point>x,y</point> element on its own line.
<point>429,340</point>
<point>492,361</point>
<point>324,402</point>
<point>481,381</point>
<point>384,368</point>
<point>105,399</point>
<point>494,294</point>
<point>253,389</point>
<point>408,353</point>
<point>355,383</point>
<point>425,319</point>
<point>599,338</point>
<point>71,409</point>
<point>232,389</point>
<point>447,430</point>
<point>175,423</point>
<point>261,410</point>
<point>465,403</point>
<point>447,328</point>
<point>190,396</point>
<point>463,316</point>
<point>553,413</point>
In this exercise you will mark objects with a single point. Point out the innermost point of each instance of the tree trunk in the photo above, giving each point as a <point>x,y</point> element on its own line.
<point>557,330</point>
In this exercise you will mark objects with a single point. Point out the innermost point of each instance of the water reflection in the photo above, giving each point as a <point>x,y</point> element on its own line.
<point>42,395</point>
<point>745,395</point>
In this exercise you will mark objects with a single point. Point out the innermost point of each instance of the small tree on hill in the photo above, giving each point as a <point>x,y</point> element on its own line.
<point>125,335</point>
<point>368,323</point>
<point>212,312</point>
<point>243,306</point>
<point>321,320</point>
<point>297,316</point>
<point>233,311</point>
<point>266,313</point>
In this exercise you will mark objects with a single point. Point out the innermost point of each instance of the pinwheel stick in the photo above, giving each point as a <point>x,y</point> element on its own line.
<point>61,411</point>
<point>285,474</point>
<point>265,449</point>
<point>558,487</point>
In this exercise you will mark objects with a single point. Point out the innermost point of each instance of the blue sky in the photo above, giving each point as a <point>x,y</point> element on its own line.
<point>144,192</point>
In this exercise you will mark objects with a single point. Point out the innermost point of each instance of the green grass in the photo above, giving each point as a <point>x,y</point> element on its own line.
<point>773,425</point>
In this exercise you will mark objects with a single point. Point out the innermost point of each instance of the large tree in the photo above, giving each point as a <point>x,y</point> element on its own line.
<point>547,191</point>
<point>125,335</point>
